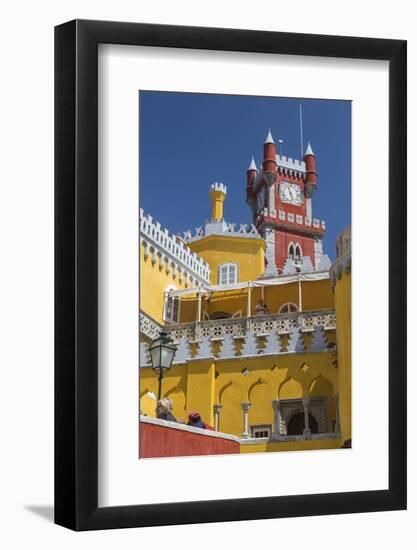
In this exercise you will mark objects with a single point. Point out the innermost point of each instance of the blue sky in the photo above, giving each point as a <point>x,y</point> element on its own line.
<point>188,141</point>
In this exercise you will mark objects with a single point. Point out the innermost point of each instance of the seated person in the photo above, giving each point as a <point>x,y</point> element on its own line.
<point>164,410</point>
<point>194,419</point>
<point>261,308</point>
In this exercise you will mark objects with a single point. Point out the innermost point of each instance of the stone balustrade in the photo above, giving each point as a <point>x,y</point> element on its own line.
<point>262,325</point>
<point>281,333</point>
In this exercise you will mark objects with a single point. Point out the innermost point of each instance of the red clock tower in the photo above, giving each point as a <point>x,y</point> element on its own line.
<point>279,194</point>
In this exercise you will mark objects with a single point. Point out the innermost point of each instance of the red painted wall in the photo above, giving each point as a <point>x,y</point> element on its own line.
<point>157,441</point>
<point>282,241</point>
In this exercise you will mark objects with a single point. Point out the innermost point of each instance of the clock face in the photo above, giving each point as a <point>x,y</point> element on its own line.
<point>290,193</point>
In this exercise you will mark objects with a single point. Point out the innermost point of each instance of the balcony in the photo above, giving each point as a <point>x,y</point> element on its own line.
<point>260,325</point>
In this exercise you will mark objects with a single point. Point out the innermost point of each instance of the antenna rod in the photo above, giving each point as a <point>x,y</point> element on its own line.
<point>301,130</point>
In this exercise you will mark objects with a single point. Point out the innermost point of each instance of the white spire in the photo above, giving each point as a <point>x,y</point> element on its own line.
<point>309,150</point>
<point>252,165</point>
<point>269,138</point>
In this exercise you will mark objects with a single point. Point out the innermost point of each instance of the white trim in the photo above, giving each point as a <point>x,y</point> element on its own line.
<point>186,428</point>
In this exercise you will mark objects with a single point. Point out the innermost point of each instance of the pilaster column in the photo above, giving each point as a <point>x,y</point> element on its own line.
<point>216,410</point>
<point>276,405</point>
<point>306,405</point>
<point>336,406</point>
<point>245,408</point>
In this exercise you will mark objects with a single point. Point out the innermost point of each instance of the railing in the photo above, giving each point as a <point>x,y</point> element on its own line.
<point>148,326</point>
<point>282,323</point>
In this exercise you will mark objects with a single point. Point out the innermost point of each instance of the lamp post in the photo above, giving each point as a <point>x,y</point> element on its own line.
<point>162,354</point>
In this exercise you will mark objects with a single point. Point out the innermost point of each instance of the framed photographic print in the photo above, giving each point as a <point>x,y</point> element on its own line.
<point>218,355</point>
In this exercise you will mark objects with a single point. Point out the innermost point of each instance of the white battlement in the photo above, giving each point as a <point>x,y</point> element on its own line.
<point>172,251</point>
<point>222,228</point>
<point>291,164</point>
<point>218,186</point>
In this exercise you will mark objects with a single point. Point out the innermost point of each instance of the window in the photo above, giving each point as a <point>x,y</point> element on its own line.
<point>295,253</point>
<point>261,430</point>
<point>288,308</point>
<point>298,254</point>
<point>172,307</point>
<point>227,274</point>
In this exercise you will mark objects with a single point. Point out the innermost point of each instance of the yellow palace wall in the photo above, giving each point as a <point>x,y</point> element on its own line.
<point>304,445</point>
<point>248,253</point>
<point>200,384</point>
<point>154,280</point>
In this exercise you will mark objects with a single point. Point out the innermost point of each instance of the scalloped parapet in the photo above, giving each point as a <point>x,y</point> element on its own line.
<point>250,347</point>
<point>273,344</point>
<point>171,250</point>
<point>296,342</point>
<point>228,347</point>
<point>183,353</point>
<point>306,265</point>
<point>205,349</point>
<point>325,263</point>
<point>318,342</point>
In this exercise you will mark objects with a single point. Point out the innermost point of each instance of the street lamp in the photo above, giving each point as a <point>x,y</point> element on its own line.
<point>162,354</point>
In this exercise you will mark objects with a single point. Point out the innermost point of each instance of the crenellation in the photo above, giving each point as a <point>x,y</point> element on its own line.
<point>155,238</point>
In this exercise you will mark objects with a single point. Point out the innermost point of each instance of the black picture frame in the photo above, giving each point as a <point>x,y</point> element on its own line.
<point>76,272</point>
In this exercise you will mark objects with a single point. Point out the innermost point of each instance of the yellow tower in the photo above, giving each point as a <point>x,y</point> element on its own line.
<point>217,195</point>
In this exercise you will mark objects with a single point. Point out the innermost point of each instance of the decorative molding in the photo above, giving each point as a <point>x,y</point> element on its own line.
<point>226,330</point>
<point>148,326</point>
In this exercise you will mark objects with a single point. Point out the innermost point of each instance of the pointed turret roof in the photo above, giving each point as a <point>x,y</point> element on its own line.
<point>309,150</point>
<point>252,165</point>
<point>269,138</point>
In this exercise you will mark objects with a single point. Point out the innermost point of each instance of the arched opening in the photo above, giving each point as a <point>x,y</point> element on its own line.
<point>297,254</point>
<point>296,425</point>
<point>288,308</point>
<point>291,251</point>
